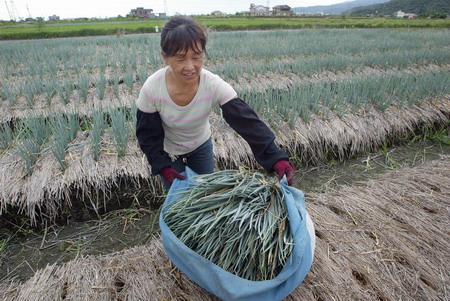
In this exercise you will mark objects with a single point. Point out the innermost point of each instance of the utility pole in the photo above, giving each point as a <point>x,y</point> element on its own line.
<point>13,13</point>
<point>165,8</point>
<point>11,16</point>
<point>29,14</point>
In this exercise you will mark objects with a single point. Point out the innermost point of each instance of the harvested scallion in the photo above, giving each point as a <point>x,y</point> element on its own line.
<point>236,219</point>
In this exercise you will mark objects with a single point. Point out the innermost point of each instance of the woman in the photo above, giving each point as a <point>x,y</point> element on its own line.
<point>175,103</point>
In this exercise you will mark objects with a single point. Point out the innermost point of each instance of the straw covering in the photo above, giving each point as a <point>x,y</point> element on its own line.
<point>236,219</point>
<point>385,239</point>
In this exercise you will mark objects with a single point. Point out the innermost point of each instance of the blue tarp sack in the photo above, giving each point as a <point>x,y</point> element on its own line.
<point>228,286</point>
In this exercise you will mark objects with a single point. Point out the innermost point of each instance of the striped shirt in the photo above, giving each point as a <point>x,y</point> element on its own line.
<point>185,127</point>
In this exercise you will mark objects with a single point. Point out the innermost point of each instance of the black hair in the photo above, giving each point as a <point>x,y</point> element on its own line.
<point>180,34</point>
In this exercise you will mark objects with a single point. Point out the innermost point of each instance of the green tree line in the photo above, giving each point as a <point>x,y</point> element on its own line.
<point>418,7</point>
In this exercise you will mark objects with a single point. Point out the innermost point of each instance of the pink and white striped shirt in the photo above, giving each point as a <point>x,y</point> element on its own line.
<point>185,127</point>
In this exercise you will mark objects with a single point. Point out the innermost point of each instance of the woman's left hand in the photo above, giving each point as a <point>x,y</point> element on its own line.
<point>282,168</point>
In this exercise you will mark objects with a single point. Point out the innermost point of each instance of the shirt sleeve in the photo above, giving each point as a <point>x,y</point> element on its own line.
<point>150,135</point>
<point>224,92</point>
<point>261,139</point>
<point>144,101</point>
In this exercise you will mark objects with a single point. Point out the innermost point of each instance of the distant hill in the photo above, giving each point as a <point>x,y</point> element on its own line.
<point>408,6</point>
<point>335,9</point>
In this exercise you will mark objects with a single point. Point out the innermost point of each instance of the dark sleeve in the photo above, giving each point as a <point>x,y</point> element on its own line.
<point>150,135</point>
<point>246,123</point>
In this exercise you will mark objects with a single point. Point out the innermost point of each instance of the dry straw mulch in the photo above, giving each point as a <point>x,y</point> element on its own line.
<point>384,239</point>
<point>46,192</point>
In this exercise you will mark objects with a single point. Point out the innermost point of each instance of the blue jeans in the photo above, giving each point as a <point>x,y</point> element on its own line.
<point>200,160</point>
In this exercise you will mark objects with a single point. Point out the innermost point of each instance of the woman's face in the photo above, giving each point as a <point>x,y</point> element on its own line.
<point>185,67</point>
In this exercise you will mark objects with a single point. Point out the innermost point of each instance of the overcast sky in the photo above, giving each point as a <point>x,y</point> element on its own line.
<point>111,8</point>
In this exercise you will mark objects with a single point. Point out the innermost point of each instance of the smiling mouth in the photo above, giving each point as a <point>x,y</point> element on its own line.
<point>189,75</point>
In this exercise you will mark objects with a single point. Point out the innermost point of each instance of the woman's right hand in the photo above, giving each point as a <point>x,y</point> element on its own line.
<point>169,174</point>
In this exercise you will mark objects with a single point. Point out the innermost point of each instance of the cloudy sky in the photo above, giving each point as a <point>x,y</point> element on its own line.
<point>112,8</point>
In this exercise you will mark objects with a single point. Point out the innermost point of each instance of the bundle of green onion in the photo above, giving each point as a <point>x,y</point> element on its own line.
<point>236,219</point>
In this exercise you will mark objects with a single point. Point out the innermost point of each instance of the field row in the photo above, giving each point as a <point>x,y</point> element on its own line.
<point>47,158</point>
<point>61,29</point>
<point>69,57</point>
<point>287,94</point>
<point>62,88</point>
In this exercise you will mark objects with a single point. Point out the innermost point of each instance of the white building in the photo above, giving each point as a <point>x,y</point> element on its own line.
<point>400,14</point>
<point>259,10</point>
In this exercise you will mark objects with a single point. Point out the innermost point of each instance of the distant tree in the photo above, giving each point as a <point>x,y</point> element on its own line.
<point>440,16</point>
<point>40,23</point>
